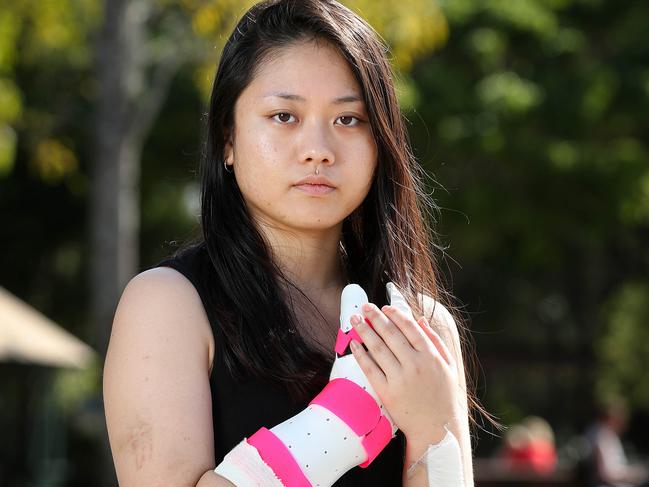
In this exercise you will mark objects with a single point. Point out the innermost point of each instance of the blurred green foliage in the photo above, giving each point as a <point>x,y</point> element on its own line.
<point>534,120</point>
<point>624,346</point>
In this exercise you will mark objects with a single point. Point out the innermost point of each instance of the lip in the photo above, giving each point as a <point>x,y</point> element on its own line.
<point>315,189</point>
<point>315,185</point>
<point>315,181</point>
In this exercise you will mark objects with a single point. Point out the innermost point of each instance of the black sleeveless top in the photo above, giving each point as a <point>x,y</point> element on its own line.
<point>239,408</point>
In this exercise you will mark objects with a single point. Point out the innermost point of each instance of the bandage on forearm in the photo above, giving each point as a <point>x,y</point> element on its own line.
<point>244,467</point>
<point>442,463</point>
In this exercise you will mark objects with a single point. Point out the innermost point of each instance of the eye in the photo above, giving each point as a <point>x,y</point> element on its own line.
<point>282,113</point>
<point>358,120</point>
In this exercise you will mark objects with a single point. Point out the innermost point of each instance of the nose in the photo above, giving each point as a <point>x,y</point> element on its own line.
<point>316,148</point>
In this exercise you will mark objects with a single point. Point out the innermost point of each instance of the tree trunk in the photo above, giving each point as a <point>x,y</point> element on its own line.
<point>133,84</point>
<point>114,213</point>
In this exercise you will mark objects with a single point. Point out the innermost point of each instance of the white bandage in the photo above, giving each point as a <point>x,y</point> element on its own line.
<point>245,468</point>
<point>443,463</point>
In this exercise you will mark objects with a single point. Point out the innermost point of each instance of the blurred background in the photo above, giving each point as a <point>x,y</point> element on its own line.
<point>531,115</point>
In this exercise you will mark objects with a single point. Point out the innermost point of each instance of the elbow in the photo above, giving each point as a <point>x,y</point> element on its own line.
<point>212,479</point>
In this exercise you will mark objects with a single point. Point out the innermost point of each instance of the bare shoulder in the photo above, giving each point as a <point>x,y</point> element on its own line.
<point>442,322</point>
<point>157,395</point>
<point>441,315</point>
<point>164,290</point>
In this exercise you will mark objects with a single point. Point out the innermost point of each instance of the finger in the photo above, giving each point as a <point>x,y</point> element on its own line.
<point>389,332</point>
<point>396,299</point>
<point>440,346</point>
<point>351,299</point>
<point>378,349</point>
<point>408,327</point>
<point>372,371</point>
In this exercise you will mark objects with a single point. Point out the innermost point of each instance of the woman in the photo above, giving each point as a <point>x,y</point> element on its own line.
<point>308,184</point>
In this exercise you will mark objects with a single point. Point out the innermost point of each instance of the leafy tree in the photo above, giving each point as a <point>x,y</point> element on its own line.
<point>624,345</point>
<point>534,119</point>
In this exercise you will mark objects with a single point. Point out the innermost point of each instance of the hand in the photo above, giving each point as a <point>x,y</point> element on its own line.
<point>410,368</point>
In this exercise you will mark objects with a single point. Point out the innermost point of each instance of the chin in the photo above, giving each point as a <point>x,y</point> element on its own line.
<point>315,224</point>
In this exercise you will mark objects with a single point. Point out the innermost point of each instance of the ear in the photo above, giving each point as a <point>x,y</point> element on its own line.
<point>228,150</point>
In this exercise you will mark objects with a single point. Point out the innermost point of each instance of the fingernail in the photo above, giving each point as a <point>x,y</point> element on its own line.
<point>367,307</point>
<point>354,320</point>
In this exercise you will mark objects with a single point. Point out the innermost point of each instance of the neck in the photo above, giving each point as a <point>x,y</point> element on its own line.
<point>311,260</point>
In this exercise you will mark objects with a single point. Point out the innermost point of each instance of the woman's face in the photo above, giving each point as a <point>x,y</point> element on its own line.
<point>292,118</point>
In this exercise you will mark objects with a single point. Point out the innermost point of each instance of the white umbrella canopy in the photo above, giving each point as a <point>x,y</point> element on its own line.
<point>28,336</point>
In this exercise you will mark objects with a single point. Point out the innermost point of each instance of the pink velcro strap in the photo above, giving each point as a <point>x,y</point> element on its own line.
<point>376,440</point>
<point>351,403</point>
<point>343,339</point>
<point>278,458</point>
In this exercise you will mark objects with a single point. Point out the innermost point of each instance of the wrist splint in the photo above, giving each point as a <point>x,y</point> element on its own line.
<point>344,426</point>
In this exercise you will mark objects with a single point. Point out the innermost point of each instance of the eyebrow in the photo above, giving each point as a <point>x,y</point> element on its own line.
<point>336,101</point>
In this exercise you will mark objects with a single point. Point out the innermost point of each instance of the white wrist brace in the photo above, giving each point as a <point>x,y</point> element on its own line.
<point>343,427</point>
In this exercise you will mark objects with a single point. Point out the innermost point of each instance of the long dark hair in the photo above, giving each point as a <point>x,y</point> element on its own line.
<point>389,237</point>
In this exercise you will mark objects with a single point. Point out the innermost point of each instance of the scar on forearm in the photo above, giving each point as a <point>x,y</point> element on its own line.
<point>140,443</point>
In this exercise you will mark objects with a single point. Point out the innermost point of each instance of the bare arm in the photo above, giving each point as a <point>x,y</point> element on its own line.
<point>460,427</point>
<point>212,479</point>
<point>446,327</point>
<point>156,385</point>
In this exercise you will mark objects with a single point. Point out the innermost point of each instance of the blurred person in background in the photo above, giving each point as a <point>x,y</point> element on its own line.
<point>529,446</point>
<point>606,464</point>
